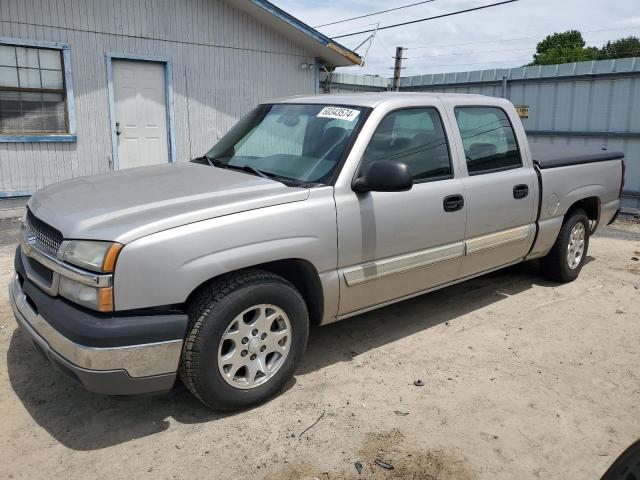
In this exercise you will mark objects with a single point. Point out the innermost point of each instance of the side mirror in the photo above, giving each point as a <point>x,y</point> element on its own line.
<point>385,176</point>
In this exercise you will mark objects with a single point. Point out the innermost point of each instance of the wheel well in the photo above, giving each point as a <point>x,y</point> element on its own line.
<point>591,205</point>
<point>301,274</point>
<point>304,276</point>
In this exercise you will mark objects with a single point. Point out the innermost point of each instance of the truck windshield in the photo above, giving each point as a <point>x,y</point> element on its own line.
<point>297,144</point>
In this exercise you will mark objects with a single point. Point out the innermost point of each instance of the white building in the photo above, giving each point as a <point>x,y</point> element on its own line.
<point>87,86</point>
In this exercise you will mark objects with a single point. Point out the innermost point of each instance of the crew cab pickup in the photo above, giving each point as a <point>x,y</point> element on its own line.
<point>309,210</point>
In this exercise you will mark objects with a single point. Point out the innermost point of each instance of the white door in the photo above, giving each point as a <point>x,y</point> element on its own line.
<point>141,113</point>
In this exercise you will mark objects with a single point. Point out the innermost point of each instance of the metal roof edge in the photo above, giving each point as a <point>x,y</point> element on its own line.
<point>618,66</point>
<point>311,32</point>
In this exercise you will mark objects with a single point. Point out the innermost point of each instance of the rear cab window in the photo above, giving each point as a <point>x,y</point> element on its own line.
<point>489,140</point>
<point>416,137</point>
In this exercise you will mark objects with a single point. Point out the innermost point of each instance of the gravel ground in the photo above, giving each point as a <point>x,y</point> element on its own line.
<point>522,379</point>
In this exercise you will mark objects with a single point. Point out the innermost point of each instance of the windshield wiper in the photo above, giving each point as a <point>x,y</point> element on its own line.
<point>250,169</point>
<point>213,162</point>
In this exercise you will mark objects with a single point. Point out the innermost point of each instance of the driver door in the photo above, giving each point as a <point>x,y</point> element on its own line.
<point>395,244</point>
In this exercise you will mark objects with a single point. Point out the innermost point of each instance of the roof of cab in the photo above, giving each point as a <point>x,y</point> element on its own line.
<point>375,99</point>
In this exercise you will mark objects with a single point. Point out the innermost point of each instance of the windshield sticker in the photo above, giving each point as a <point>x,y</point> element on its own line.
<point>339,113</point>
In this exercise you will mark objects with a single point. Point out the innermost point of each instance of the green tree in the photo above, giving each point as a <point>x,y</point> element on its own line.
<point>625,47</point>
<point>565,47</point>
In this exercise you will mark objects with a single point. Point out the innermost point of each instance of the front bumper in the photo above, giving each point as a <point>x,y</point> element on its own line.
<point>125,369</point>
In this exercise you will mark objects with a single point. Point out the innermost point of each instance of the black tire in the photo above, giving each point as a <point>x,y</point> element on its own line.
<point>555,265</point>
<point>212,310</point>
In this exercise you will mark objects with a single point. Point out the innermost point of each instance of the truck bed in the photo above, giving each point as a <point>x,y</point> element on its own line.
<point>552,156</point>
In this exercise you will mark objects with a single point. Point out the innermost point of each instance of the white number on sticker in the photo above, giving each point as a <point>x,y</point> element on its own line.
<point>339,113</point>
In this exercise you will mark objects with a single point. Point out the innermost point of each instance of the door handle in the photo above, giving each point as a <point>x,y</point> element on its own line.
<point>520,191</point>
<point>452,203</point>
<point>118,132</point>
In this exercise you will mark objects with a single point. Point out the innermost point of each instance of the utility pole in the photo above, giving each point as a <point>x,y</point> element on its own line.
<point>397,69</point>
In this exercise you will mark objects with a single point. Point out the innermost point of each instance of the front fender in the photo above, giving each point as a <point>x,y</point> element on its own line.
<point>166,267</point>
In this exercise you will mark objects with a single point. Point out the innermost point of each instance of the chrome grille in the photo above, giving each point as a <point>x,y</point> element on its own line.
<point>45,235</point>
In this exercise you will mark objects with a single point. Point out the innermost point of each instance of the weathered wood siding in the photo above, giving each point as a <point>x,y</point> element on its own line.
<point>224,63</point>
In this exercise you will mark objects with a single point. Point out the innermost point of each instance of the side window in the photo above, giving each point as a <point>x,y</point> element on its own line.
<point>488,138</point>
<point>413,136</point>
<point>32,91</point>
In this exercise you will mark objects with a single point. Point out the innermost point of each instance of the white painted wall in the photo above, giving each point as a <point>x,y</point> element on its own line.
<point>224,63</point>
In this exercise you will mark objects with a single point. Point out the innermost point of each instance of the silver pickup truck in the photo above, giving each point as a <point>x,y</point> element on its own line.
<point>309,210</point>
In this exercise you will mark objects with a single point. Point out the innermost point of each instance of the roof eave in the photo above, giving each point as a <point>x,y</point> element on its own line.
<point>330,52</point>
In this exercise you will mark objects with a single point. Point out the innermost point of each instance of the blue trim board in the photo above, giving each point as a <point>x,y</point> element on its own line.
<point>142,58</point>
<point>71,136</point>
<point>168,76</point>
<point>317,67</point>
<point>112,115</point>
<point>21,42</point>
<point>38,138</point>
<point>68,83</point>
<point>17,193</point>
<point>294,22</point>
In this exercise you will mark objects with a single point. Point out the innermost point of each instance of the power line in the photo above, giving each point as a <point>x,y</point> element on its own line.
<point>499,62</point>
<point>477,52</point>
<point>539,36</point>
<point>449,64</point>
<point>351,28</point>
<point>384,47</point>
<point>463,64</point>
<point>429,18</point>
<point>483,52</point>
<point>375,13</point>
<point>635,51</point>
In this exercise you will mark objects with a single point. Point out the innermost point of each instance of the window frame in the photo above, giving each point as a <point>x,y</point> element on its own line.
<point>71,134</point>
<point>446,138</point>
<point>464,153</point>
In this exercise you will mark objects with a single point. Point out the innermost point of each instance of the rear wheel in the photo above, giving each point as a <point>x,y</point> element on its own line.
<point>566,258</point>
<point>247,334</point>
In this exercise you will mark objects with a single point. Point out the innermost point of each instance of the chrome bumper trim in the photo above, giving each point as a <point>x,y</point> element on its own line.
<point>137,360</point>
<point>30,249</point>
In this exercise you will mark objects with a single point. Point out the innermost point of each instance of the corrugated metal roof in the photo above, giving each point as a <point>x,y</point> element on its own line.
<point>599,67</point>
<point>361,80</point>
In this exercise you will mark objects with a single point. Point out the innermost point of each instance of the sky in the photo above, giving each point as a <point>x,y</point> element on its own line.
<point>499,37</point>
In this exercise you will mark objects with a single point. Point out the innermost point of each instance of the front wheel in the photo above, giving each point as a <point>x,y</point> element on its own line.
<point>566,258</point>
<point>247,334</point>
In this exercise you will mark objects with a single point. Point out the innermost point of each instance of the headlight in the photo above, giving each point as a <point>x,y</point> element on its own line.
<point>100,299</point>
<point>96,256</point>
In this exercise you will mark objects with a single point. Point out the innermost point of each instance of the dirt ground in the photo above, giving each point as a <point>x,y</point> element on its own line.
<point>522,379</point>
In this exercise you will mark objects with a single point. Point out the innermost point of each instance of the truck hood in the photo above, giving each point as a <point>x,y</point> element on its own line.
<point>128,204</point>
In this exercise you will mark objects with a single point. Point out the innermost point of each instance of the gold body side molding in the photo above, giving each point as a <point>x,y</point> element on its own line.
<point>403,263</point>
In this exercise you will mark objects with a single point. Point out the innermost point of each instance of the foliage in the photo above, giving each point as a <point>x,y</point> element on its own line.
<point>564,47</point>
<point>569,46</point>
<point>625,47</point>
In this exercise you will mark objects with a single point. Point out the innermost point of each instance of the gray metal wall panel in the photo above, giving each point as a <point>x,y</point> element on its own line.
<point>586,98</point>
<point>224,63</point>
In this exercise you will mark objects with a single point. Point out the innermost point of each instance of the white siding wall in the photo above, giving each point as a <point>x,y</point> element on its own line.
<point>224,63</point>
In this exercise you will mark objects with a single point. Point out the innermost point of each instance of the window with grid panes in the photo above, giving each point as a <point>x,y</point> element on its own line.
<point>32,91</point>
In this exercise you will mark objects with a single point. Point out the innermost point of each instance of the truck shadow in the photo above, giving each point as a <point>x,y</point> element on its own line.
<point>84,421</point>
<point>368,331</point>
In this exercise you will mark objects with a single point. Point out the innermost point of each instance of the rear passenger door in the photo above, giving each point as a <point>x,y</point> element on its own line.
<point>394,244</point>
<point>500,190</point>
